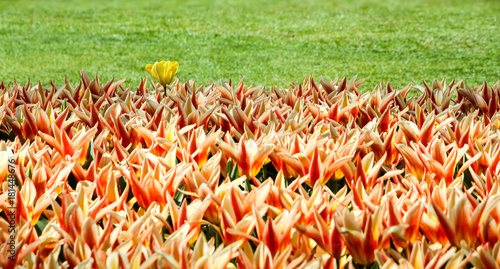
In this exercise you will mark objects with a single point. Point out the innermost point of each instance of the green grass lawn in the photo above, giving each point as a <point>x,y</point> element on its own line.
<point>265,41</point>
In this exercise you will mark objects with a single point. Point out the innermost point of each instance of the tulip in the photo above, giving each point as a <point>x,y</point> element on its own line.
<point>134,178</point>
<point>328,239</point>
<point>163,71</point>
<point>360,242</point>
<point>422,256</point>
<point>462,223</point>
<point>486,259</point>
<point>4,171</point>
<point>249,156</point>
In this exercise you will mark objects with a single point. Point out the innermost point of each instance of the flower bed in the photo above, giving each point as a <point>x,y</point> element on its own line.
<point>225,175</point>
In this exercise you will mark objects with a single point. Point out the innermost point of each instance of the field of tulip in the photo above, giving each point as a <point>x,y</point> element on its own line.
<point>316,175</point>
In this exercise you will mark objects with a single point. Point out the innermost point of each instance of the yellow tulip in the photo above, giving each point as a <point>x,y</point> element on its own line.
<point>163,71</point>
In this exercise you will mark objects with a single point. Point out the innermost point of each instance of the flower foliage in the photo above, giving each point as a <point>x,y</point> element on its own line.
<point>225,175</point>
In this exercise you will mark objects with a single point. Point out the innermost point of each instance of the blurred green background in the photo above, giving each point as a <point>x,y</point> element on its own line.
<point>264,41</point>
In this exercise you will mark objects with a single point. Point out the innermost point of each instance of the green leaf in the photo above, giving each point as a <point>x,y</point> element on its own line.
<point>41,224</point>
<point>467,179</point>
<point>247,185</point>
<point>29,173</point>
<point>63,105</point>
<point>234,173</point>
<point>179,196</point>
<point>90,156</point>
<point>229,165</point>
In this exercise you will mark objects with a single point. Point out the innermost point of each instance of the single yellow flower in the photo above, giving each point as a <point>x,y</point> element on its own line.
<point>163,71</point>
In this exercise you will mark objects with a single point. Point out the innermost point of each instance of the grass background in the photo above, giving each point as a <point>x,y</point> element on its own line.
<point>269,42</point>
